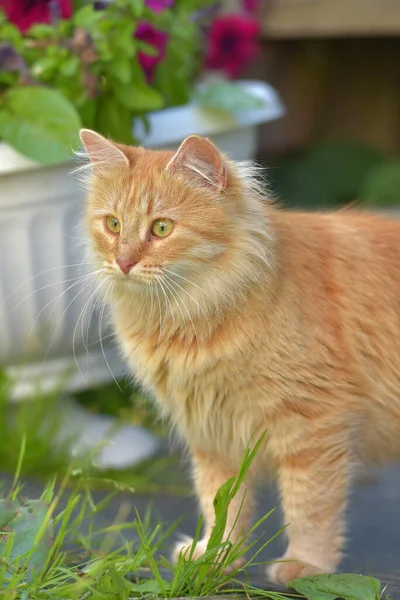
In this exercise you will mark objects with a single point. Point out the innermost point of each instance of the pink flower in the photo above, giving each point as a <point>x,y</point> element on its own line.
<point>156,38</point>
<point>159,5</point>
<point>232,43</point>
<point>24,13</point>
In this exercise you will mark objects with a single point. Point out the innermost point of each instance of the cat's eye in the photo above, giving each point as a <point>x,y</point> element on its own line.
<point>113,224</point>
<point>162,228</point>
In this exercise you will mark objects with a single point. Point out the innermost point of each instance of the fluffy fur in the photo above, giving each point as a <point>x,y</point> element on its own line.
<point>249,318</point>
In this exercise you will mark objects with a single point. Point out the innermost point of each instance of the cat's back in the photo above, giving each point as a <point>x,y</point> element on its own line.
<point>350,249</point>
<point>345,269</point>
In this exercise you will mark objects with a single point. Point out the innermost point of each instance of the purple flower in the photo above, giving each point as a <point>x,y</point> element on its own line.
<point>156,38</point>
<point>25,13</point>
<point>232,43</point>
<point>159,5</point>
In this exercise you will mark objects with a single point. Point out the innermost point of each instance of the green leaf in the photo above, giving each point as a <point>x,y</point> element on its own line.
<point>137,7</point>
<point>45,66</point>
<point>382,185</point>
<point>227,492</point>
<point>10,33</point>
<point>139,97</point>
<point>41,31</point>
<point>114,120</point>
<point>87,17</point>
<point>29,550</point>
<point>341,585</point>
<point>221,505</point>
<point>39,123</point>
<point>112,584</point>
<point>8,510</point>
<point>87,111</point>
<point>146,48</point>
<point>228,96</point>
<point>70,67</point>
<point>121,68</point>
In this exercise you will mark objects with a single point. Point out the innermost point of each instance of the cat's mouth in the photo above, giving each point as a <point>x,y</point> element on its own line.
<point>137,274</point>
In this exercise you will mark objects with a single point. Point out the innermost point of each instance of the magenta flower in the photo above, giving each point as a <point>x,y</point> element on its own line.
<point>24,13</point>
<point>159,5</point>
<point>232,43</point>
<point>156,38</point>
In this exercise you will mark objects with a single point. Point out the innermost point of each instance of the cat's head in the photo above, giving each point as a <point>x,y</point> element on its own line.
<point>175,217</point>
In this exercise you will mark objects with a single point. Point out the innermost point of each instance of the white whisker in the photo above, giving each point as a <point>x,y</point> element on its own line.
<point>167,298</point>
<point>105,337</point>
<point>90,318</point>
<point>186,309</point>
<point>170,288</point>
<point>58,298</point>
<point>93,262</point>
<point>44,287</point>
<point>184,279</point>
<point>150,315</point>
<point>81,315</point>
<point>191,297</point>
<point>159,309</point>
<point>62,316</point>
<point>101,338</point>
<point>82,318</point>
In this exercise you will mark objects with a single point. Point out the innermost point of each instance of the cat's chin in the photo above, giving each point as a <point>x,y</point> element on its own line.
<point>132,283</point>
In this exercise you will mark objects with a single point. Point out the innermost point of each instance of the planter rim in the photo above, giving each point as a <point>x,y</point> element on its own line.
<point>171,125</point>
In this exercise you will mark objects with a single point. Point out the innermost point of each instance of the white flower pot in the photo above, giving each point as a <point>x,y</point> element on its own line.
<point>41,250</point>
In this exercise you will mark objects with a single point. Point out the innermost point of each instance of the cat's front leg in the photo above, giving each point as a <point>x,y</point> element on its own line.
<point>314,486</point>
<point>210,472</point>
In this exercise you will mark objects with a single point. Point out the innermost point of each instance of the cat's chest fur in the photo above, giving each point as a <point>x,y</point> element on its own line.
<point>198,384</point>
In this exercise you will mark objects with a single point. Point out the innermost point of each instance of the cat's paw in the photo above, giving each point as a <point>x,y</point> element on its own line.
<point>291,568</point>
<point>184,548</point>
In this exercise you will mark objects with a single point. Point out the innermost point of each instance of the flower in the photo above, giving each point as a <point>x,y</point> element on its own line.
<point>157,38</point>
<point>159,5</point>
<point>232,43</point>
<point>25,13</point>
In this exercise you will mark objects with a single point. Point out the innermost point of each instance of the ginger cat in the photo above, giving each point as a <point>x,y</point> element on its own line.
<point>239,317</point>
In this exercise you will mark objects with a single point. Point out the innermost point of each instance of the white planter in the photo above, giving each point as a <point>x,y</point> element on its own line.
<point>40,250</point>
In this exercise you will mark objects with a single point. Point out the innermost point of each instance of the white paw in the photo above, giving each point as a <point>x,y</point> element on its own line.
<point>291,568</point>
<point>184,548</point>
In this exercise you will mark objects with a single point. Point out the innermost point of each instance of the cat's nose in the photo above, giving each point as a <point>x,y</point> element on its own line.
<point>125,264</point>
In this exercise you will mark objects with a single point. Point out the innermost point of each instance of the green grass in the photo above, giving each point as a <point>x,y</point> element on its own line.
<point>51,549</point>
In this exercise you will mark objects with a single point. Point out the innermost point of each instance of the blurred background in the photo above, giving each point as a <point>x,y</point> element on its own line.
<point>308,88</point>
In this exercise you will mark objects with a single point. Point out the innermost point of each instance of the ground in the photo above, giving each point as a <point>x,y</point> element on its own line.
<point>374,524</point>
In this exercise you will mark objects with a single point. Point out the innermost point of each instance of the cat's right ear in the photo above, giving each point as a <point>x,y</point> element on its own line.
<point>103,153</point>
<point>198,159</point>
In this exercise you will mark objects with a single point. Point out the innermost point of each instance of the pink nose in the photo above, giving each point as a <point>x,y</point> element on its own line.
<point>125,264</point>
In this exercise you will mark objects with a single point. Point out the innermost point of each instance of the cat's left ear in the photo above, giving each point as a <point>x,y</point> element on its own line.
<point>198,159</point>
<point>103,153</point>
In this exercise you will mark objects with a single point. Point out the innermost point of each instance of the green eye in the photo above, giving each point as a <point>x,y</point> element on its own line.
<point>113,224</point>
<point>162,228</point>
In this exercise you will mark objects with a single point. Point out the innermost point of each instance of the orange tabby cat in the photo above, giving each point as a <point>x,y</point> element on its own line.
<point>240,317</point>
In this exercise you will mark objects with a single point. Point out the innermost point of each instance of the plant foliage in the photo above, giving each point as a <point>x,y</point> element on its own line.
<point>109,63</point>
<point>44,554</point>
